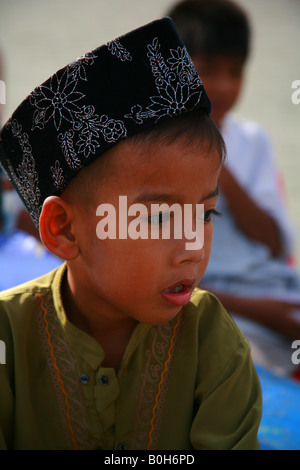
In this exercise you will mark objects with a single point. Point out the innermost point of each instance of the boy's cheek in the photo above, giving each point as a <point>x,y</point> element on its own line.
<point>208,234</point>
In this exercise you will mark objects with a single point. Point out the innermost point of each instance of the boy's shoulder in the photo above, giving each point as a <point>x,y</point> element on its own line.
<point>39,283</point>
<point>20,299</point>
<point>22,313</point>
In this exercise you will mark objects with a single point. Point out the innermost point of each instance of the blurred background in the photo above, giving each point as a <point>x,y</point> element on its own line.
<point>37,37</point>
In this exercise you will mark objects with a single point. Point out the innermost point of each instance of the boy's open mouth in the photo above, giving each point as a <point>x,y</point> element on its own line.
<point>180,293</point>
<point>175,290</point>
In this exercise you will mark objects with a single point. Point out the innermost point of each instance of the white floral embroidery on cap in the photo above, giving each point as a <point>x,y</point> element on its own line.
<point>178,86</point>
<point>77,68</point>
<point>66,143</point>
<point>57,174</point>
<point>25,176</point>
<point>58,101</point>
<point>89,126</point>
<point>117,49</point>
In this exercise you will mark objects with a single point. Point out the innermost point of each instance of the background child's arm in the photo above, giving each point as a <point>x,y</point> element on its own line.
<point>255,222</point>
<point>275,314</point>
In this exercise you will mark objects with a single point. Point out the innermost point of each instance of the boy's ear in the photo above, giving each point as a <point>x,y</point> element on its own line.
<point>56,228</point>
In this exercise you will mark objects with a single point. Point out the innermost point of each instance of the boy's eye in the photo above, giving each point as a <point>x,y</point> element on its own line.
<point>159,218</point>
<point>207,215</point>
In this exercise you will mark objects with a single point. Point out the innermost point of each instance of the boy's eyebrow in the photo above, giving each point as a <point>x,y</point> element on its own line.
<point>161,197</point>
<point>155,197</point>
<point>214,193</point>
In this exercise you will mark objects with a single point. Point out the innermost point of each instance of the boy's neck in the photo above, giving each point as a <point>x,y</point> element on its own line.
<point>113,336</point>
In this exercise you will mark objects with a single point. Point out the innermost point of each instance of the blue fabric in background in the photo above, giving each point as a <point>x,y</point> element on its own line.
<point>23,258</point>
<point>280,424</point>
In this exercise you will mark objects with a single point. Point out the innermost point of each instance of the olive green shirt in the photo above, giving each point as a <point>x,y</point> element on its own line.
<point>186,384</point>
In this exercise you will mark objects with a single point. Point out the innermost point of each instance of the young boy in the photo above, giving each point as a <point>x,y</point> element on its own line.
<point>114,350</point>
<point>249,267</point>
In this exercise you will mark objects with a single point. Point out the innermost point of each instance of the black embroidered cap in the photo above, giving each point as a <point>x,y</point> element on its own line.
<point>115,91</point>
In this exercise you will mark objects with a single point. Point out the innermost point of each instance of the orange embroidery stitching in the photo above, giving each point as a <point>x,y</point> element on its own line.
<point>57,371</point>
<point>161,381</point>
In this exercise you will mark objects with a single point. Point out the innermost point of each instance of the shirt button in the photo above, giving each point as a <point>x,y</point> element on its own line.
<point>103,380</point>
<point>84,379</point>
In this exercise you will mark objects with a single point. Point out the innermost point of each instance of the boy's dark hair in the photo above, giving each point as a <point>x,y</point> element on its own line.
<point>196,128</point>
<point>212,27</point>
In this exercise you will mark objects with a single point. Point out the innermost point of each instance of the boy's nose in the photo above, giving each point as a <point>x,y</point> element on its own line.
<point>189,252</point>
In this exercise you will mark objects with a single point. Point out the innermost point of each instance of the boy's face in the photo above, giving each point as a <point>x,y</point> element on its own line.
<point>222,77</point>
<point>131,278</point>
